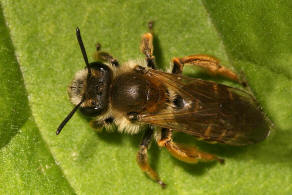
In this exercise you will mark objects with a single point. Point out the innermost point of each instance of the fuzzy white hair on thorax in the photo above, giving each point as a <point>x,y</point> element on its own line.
<point>120,120</point>
<point>129,66</point>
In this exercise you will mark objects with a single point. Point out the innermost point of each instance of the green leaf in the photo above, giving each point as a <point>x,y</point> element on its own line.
<point>26,164</point>
<point>39,56</point>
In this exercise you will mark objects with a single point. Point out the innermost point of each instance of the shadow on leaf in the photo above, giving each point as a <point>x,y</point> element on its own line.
<point>14,103</point>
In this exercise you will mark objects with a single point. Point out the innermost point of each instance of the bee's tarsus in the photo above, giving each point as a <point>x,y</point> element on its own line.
<point>162,184</point>
<point>150,25</point>
<point>98,47</point>
<point>221,161</point>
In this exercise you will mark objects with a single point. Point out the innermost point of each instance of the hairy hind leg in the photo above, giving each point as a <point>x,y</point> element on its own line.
<point>142,157</point>
<point>211,64</point>
<point>147,46</point>
<point>184,153</point>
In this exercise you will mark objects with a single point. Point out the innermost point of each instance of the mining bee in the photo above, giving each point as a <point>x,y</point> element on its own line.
<point>136,94</point>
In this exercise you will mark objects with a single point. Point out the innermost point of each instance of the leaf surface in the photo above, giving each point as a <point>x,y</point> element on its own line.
<point>39,56</point>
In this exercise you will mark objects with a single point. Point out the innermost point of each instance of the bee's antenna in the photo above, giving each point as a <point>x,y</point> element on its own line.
<point>83,50</point>
<point>68,117</point>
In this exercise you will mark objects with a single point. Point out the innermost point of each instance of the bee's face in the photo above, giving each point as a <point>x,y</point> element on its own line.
<point>93,89</point>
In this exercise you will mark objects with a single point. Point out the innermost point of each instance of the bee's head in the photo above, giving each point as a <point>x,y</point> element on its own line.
<point>89,90</point>
<point>92,89</point>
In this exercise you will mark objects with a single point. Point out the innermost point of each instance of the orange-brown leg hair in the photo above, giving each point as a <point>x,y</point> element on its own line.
<point>211,64</point>
<point>147,46</point>
<point>184,153</point>
<point>104,56</point>
<point>142,157</point>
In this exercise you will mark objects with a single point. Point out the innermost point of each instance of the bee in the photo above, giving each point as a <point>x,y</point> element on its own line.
<point>136,94</point>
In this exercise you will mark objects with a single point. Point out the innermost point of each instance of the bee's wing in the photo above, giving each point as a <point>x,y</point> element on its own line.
<point>209,111</point>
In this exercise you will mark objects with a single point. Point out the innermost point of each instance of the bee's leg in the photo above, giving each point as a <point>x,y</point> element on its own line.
<point>104,56</point>
<point>147,46</point>
<point>184,153</point>
<point>97,124</point>
<point>142,157</point>
<point>211,64</point>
